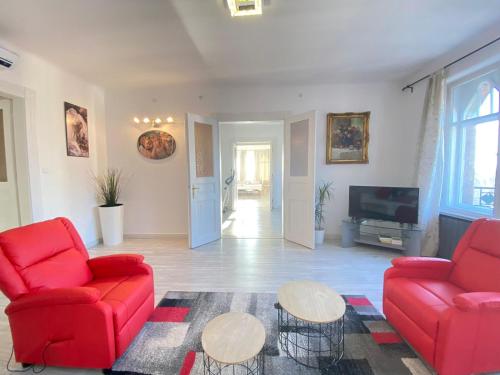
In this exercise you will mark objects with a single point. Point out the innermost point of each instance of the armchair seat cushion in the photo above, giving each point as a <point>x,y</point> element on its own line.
<point>125,295</point>
<point>422,300</point>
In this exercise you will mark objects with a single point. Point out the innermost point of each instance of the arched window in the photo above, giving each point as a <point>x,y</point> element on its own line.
<point>471,137</point>
<point>485,101</point>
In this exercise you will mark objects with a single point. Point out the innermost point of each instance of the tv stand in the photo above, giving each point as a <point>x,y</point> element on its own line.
<point>369,232</point>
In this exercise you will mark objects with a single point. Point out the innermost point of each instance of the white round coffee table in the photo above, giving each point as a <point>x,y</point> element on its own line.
<point>233,340</point>
<point>311,323</point>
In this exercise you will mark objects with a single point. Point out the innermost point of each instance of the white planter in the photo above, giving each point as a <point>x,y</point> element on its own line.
<point>319,236</point>
<point>111,224</point>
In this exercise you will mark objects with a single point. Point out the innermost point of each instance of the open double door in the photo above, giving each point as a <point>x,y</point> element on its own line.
<point>205,207</point>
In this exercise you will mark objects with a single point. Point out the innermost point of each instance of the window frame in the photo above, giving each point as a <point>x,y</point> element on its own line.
<point>452,184</point>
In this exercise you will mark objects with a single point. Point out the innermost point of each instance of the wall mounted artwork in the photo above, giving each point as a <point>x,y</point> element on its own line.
<point>156,144</point>
<point>347,138</point>
<point>77,130</point>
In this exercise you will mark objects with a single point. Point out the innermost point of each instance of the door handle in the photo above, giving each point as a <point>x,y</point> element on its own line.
<point>193,189</point>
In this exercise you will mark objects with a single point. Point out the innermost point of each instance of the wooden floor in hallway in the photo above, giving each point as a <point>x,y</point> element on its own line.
<point>252,217</point>
<point>249,265</point>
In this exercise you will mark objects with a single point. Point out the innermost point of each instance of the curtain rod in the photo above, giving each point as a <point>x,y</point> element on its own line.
<point>410,86</point>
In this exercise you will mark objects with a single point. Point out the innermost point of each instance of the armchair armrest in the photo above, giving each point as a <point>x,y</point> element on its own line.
<point>115,260</point>
<point>420,267</point>
<point>55,297</point>
<point>476,301</point>
<point>118,265</point>
<point>467,338</point>
<point>421,262</point>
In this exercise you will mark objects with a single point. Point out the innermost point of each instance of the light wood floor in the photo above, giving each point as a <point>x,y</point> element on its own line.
<point>250,265</point>
<point>252,218</point>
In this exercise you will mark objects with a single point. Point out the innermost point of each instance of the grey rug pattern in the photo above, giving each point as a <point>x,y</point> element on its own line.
<point>170,343</point>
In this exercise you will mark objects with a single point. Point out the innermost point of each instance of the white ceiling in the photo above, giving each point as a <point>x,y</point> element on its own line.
<point>157,42</point>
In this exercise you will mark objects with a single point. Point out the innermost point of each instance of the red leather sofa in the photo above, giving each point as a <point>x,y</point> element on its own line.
<point>66,309</point>
<point>449,311</point>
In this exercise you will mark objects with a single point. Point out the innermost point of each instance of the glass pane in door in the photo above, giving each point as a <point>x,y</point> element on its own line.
<point>204,150</point>
<point>299,140</point>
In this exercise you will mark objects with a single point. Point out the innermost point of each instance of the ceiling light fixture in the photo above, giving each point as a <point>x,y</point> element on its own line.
<point>240,8</point>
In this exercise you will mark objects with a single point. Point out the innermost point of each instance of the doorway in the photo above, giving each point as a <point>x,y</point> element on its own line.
<point>252,158</point>
<point>9,202</point>
<point>211,176</point>
<point>253,184</point>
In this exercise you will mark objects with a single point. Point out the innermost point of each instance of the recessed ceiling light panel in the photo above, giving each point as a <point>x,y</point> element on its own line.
<point>245,7</point>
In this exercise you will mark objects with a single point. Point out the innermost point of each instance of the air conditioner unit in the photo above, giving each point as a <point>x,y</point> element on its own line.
<point>7,58</point>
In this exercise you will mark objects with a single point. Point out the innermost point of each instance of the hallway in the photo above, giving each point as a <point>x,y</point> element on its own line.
<point>252,218</point>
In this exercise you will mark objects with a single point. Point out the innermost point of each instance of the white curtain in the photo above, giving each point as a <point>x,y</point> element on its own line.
<point>253,166</point>
<point>430,160</point>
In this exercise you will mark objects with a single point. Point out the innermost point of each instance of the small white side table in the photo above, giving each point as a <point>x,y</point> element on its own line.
<point>233,340</point>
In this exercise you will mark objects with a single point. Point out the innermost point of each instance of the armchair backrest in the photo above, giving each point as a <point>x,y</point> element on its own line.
<point>44,255</point>
<point>477,258</point>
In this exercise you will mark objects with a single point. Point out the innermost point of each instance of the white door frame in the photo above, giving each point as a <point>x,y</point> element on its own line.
<point>9,195</point>
<point>234,192</point>
<point>26,150</point>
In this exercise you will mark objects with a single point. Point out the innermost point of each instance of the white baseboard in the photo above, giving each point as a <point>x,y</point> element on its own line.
<point>164,236</point>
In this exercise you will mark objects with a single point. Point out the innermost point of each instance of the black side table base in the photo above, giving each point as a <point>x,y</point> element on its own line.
<point>254,366</point>
<point>314,345</point>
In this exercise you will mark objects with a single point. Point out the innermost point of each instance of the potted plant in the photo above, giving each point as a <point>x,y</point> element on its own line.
<point>324,194</point>
<point>110,210</point>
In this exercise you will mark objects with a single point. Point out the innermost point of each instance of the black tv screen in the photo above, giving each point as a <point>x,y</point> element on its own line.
<point>398,204</point>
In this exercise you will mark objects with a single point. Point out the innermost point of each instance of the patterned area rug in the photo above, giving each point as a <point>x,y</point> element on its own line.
<point>170,343</point>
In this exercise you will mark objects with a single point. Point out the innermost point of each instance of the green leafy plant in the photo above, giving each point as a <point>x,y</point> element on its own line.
<point>324,194</point>
<point>109,187</point>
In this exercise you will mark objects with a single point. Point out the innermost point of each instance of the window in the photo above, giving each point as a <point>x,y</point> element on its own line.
<point>471,145</point>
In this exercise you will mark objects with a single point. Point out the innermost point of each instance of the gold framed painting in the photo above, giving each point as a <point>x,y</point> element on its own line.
<point>347,138</point>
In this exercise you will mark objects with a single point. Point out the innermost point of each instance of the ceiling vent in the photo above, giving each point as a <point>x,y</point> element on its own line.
<point>245,7</point>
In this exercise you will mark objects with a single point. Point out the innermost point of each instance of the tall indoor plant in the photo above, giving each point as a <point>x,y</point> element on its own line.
<point>110,211</point>
<point>323,195</point>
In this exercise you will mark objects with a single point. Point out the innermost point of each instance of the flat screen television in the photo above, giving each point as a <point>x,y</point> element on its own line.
<point>397,204</point>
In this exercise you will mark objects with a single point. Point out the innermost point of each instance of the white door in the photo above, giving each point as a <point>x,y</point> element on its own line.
<point>202,135</point>
<point>9,206</point>
<point>299,179</point>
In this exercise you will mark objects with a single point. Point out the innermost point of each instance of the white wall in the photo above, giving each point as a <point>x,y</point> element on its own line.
<point>232,133</point>
<point>65,183</point>
<point>392,146</point>
<point>156,195</point>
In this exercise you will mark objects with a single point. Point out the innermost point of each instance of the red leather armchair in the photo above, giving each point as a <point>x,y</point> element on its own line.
<point>66,309</point>
<point>449,311</point>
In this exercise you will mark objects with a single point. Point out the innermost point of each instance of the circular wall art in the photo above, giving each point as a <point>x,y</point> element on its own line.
<point>156,144</point>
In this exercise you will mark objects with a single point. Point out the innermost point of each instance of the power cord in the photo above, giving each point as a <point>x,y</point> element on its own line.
<point>30,367</point>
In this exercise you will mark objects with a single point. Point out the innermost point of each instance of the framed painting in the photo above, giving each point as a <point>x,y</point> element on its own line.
<point>77,130</point>
<point>347,138</point>
<point>156,144</point>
